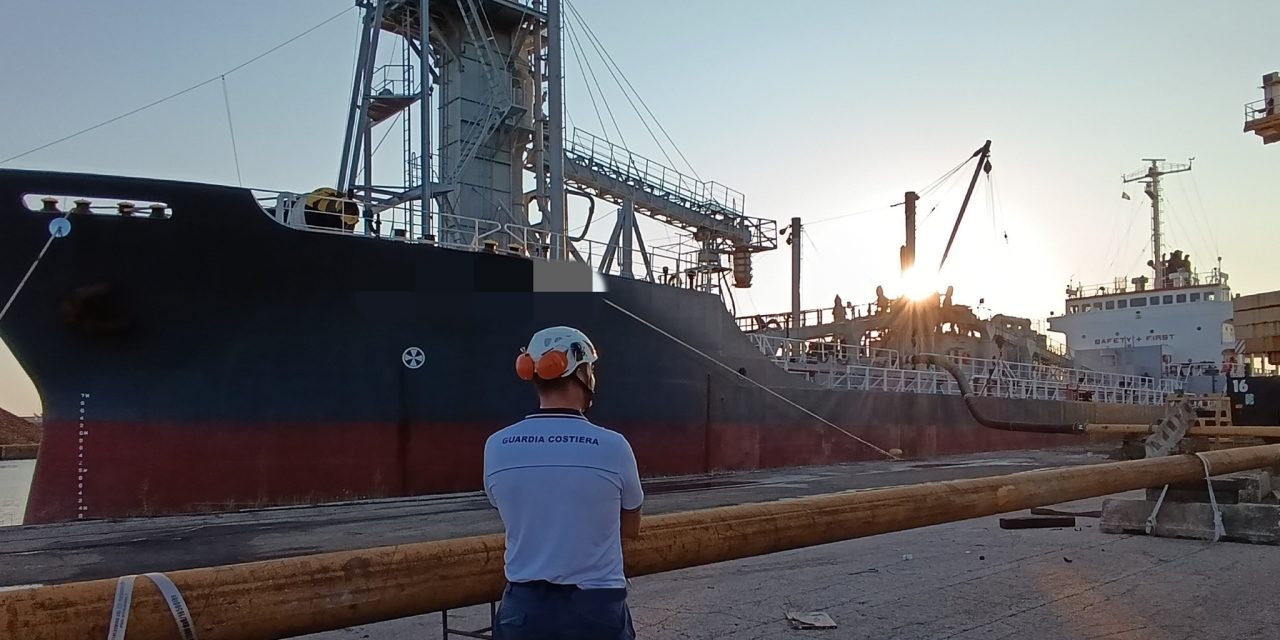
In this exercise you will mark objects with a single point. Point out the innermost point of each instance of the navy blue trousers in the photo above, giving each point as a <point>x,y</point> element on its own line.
<point>545,611</point>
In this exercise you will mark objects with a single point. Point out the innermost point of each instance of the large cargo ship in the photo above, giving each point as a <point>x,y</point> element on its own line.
<point>200,347</point>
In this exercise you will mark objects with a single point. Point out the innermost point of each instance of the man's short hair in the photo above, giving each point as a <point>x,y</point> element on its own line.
<point>553,386</point>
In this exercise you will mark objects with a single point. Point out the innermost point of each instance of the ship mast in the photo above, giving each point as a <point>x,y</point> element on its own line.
<point>1150,179</point>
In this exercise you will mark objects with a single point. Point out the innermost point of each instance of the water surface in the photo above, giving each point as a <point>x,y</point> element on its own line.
<point>15,483</point>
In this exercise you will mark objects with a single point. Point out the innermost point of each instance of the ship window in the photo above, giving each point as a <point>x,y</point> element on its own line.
<point>1138,302</point>
<point>1097,306</point>
<point>1182,297</point>
<point>1122,304</point>
<point>1210,296</point>
<point>1075,308</point>
<point>1111,304</point>
<point>1195,297</point>
<point>1155,300</point>
<point>1168,300</point>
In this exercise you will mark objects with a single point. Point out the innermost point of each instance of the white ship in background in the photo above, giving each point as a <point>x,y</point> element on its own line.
<point>1175,324</point>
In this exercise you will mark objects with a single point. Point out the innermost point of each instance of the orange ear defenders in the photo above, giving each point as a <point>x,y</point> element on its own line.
<point>550,366</point>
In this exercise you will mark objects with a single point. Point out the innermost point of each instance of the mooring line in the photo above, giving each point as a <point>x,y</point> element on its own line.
<point>740,375</point>
<point>22,283</point>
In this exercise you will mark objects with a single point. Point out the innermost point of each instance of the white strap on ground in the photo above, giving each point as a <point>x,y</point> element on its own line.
<point>1218,529</point>
<point>734,372</point>
<point>171,595</point>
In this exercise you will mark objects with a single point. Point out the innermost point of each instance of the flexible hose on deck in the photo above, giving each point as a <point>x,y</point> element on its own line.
<point>970,403</point>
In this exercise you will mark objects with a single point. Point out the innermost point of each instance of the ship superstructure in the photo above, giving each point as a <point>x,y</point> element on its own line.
<point>1174,324</point>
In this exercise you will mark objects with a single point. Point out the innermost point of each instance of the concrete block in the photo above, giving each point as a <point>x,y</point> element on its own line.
<point>1255,523</point>
<point>1225,490</point>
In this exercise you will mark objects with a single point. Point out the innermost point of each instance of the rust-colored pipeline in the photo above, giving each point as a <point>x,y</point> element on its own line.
<point>970,403</point>
<point>294,596</point>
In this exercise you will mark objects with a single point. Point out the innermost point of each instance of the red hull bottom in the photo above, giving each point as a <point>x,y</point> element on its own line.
<point>114,470</point>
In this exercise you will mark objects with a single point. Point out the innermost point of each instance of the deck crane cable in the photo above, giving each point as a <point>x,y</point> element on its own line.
<point>852,214</point>
<point>1213,236</point>
<point>584,65</point>
<point>740,376</point>
<point>1186,235</point>
<point>640,98</point>
<point>623,85</point>
<point>983,165</point>
<point>944,177</point>
<point>182,92</point>
<point>947,179</point>
<point>1198,220</point>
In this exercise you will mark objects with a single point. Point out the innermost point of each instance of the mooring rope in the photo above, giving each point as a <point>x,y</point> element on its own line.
<point>740,375</point>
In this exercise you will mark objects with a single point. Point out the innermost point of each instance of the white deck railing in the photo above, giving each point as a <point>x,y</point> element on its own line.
<point>872,369</point>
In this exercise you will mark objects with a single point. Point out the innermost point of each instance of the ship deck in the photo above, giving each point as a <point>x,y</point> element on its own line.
<point>961,580</point>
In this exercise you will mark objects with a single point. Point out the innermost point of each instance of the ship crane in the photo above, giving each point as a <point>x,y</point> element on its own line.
<point>497,117</point>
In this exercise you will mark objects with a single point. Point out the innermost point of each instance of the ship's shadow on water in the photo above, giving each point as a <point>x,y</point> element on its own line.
<point>15,484</point>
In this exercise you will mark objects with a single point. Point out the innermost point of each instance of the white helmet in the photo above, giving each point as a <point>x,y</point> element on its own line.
<point>555,352</point>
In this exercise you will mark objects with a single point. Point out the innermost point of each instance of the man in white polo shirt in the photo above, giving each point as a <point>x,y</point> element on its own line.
<point>568,491</point>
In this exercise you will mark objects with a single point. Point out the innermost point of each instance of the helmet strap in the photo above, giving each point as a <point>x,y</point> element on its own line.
<point>587,379</point>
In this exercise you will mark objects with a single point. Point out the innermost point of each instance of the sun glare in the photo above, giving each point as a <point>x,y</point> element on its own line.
<point>919,283</point>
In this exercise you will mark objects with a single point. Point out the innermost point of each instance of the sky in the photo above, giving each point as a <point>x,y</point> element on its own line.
<point>828,110</point>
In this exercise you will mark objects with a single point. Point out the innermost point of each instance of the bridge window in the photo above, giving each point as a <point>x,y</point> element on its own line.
<point>1097,306</point>
<point>1182,297</point>
<point>1195,297</point>
<point>1138,302</point>
<point>1210,296</point>
<point>1111,304</point>
<point>1155,300</point>
<point>1168,299</point>
<point>1075,308</point>
<point>1122,304</point>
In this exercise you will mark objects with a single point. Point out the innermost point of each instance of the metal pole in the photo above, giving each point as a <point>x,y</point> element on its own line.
<point>424,69</point>
<point>982,155</point>
<point>1156,247</point>
<point>365,134</point>
<point>794,237</point>
<point>355,109</point>
<point>908,257</point>
<point>555,86</point>
<point>308,594</point>
<point>628,214</point>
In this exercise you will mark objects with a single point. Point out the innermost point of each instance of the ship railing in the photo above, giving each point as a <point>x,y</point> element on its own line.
<point>868,378</point>
<point>1184,370</point>
<point>1121,286</point>
<point>666,182</point>
<point>1259,109</point>
<point>817,353</point>
<point>403,223</point>
<point>808,317</point>
<point>656,264</point>
<point>394,223</point>
<point>987,378</point>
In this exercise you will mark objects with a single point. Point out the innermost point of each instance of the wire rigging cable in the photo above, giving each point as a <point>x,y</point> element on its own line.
<point>178,93</point>
<point>749,380</point>
<point>584,66</point>
<point>623,85</point>
<point>235,154</point>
